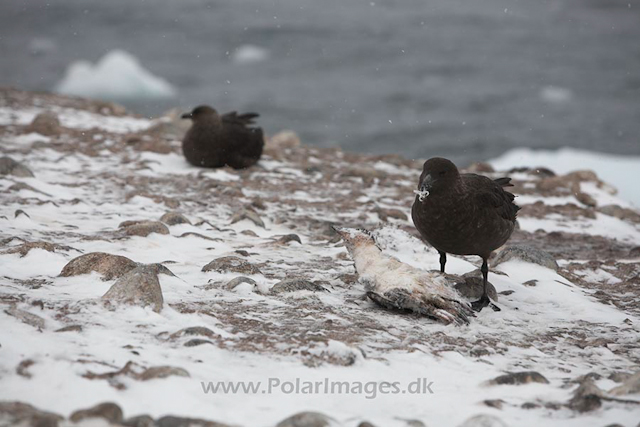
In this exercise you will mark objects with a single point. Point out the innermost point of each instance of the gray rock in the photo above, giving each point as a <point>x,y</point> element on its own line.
<point>161,269</point>
<point>587,397</point>
<point>518,378</point>
<point>471,287</point>
<point>288,238</point>
<point>200,236</point>
<point>22,414</point>
<point>33,283</point>
<point>8,166</point>
<point>193,330</point>
<point>23,368</point>
<point>19,212</point>
<point>238,280</point>
<point>538,171</point>
<point>172,421</point>
<point>479,351</point>
<point>139,421</point>
<point>24,248</point>
<point>529,405</point>
<point>26,317</point>
<point>568,181</point>
<point>292,285</point>
<point>143,228</point>
<point>619,376</point>
<point>174,218</point>
<point>109,266</point>
<point>231,264</point>
<point>149,143</point>
<point>163,372</point>
<point>196,342</point>
<point>247,213</point>
<point>137,372</point>
<point>586,199</point>
<point>554,406</point>
<point>527,254</point>
<point>45,123</point>
<point>17,187</point>
<point>258,203</point>
<point>624,214</point>
<point>588,376</point>
<point>108,411</point>
<point>494,403</point>
<point>140,287</point>
<point>483,420</point>
<point>306,419</point>
<point>70,328</point>
<point>630,385</point>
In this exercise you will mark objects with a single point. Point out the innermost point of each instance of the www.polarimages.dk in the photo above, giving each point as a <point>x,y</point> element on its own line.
<point>369,389</point>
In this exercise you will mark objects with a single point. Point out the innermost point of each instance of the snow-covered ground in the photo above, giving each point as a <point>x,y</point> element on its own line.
<point>620,171</point>
<point>87,183</point>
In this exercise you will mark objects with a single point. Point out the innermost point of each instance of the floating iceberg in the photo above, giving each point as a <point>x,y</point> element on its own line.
<point>617,170</point>
<point>248,53</point>
<point>117,76</point>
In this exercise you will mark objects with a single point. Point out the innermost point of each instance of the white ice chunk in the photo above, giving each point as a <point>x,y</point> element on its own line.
<point>116,76</point>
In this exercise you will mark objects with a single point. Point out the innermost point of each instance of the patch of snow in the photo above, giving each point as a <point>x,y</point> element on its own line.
<point>611,168</point>
<point>48,264</point>
<point>393,169</point>
<point>30,138</point>
<point>553,297</point>
<point>604,196</point>
<point>73,118</point>
<point>79,119</point>
<point>221,175</point>
<point>303,195</point>
<point>598,276</point>
<point>527,199</point>
<point>172,163</point>
<point>602,225</point>
<point>338,349</point>
<point>161,164</point>
<point>10,116</point>
<point>118,75</point>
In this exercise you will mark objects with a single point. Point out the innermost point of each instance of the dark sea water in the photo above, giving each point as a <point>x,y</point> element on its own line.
<point>463,79</point>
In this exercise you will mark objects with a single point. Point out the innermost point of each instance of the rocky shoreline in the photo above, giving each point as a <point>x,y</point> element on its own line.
<point>100,212</point>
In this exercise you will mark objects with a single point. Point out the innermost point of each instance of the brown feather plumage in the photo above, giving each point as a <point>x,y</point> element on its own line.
<point>215,141</point>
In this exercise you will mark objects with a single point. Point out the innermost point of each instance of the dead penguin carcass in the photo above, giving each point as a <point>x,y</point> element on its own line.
<point>395,285</point>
